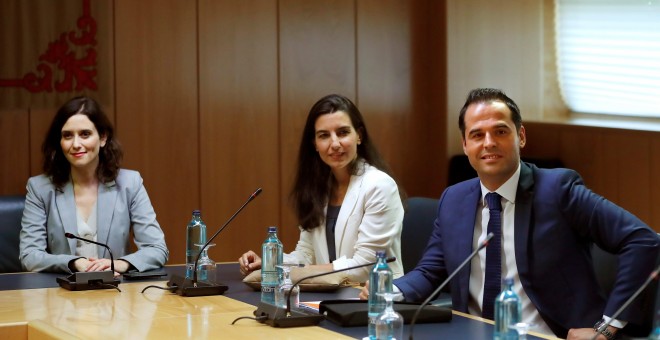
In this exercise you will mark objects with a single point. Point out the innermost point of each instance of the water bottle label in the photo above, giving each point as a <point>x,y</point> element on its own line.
<point>190,270</point>
<point>268,294</point>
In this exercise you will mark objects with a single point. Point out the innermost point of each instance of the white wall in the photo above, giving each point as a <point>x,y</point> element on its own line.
<point>494,43</point>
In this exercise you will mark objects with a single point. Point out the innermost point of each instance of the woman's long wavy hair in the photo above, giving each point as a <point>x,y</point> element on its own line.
<point>56,166</point>
<point>313,182</point>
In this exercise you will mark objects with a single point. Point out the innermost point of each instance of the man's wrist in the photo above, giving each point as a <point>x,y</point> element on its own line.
<point>610,332</point>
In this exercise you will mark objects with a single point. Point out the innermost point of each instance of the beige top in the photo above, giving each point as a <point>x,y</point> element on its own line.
<point>87,229</point>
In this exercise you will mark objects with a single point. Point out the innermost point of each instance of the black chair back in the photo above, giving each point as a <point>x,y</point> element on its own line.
<point>11,213</point>
<point>605,266</point>
<point>417,227</point>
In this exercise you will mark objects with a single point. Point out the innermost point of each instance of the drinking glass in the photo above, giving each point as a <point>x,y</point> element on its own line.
<point>522,328</point>
<point>285,286</point>
<point>389,323</point>
<point>206,268</point>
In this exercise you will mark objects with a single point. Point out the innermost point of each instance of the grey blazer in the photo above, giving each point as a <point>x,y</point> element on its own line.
<point>122,205</point>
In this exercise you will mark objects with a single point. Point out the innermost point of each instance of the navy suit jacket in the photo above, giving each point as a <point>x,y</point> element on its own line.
<point>556,220</point>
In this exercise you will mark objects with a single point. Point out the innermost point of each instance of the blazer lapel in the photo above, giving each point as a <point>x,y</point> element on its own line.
<point>66,208</point>
<point>466,216</point>
<point>347,208</point>
<point>105,207</point>
<point>523,218</point>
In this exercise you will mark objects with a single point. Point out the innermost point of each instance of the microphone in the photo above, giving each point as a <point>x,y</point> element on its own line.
<point>444,283</point>
<point>90,280</point>
<point>112,259</point>
<point>652,276</point>
<point>187,287</point>
<point>277,317</point>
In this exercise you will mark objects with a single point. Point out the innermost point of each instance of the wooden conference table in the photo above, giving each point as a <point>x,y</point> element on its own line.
<point>32,306</point>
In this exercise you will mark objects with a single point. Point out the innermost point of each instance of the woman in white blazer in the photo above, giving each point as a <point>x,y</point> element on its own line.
<point>347,205</point>
<point>84,192</point>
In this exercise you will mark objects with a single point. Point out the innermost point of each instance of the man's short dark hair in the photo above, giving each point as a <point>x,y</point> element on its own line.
<point>487,95</point>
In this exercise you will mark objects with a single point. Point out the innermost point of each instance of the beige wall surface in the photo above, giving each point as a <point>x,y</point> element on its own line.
<point>493,44</point>
<point>157,109</point>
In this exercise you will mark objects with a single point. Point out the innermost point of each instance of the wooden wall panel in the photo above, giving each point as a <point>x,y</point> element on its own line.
<point>316,57</point>
<point>617,164</point>
<point>605,164</point>
<point>239,121</point>
<point>156,103</point>
<point>427,170</point>
<point>581,150</point>
<point>40,120</point>
<point>633,164</point>
<point>401,60</point>
<point>14,151</point>
<point>654,220</point>
<point>426,174</point>
<point>385,98</point>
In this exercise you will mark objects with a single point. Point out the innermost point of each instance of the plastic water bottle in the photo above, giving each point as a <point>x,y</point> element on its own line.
<point>271,257</point>
<point>195,234</point>
<point>655,333</point>
<point>508,311</point>
<point>380,281</point>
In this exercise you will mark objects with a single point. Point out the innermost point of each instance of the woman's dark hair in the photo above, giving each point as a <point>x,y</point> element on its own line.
<point>56,166</point>
<point>313,182</point>
<point>486,95</point>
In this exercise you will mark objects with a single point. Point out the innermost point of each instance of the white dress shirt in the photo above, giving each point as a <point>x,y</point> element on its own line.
<point>509,269</point>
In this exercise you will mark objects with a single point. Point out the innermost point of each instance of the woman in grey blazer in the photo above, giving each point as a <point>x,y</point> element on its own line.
<point>84,192</point>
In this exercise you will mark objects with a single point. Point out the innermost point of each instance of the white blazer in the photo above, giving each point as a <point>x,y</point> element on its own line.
<point>370,219</point>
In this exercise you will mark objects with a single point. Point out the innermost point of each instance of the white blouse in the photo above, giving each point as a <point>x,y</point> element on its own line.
<point>87,229</point>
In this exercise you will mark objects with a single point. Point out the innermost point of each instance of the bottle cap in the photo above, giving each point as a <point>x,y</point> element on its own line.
<point>197,212</point>
<point>507,281</point>
<point>272,229</point>
<point>380,254</point>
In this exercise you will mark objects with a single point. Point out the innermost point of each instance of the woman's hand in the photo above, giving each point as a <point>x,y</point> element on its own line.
<point>97,265</point>
<point>81,264</point>
<point>364,293</point>
<point>249,262</point>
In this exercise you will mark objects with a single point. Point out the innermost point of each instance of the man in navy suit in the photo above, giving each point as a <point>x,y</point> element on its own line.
<point>549,220</point>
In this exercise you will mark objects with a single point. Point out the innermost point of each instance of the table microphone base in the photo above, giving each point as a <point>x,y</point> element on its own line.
<point>276,316</point>
<point>89,281</point>
<point>185,287</point>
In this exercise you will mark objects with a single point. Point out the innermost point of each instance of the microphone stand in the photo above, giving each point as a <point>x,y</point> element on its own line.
<point>276,316</point>
<point>435,292</point>
<point>191,287</point>
<point>90,280</point>
<point>653,276</point>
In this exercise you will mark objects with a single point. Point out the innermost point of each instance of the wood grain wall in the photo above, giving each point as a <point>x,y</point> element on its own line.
<point>209,98</point>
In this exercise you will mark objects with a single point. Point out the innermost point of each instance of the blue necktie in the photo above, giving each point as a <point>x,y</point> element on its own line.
<point>493,281</point>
